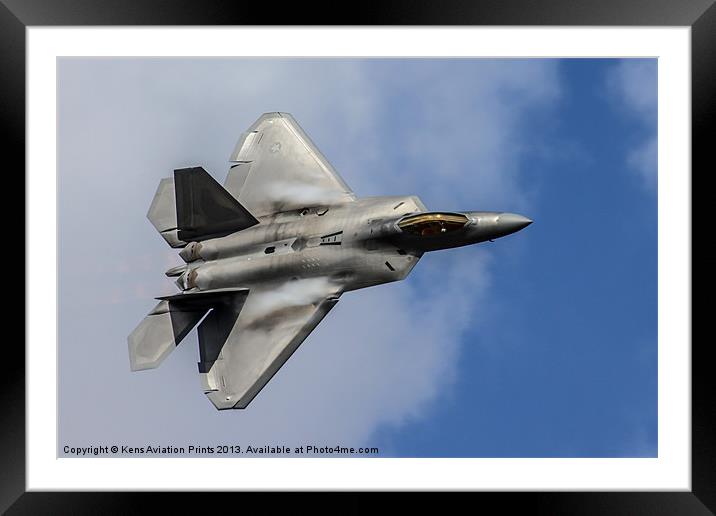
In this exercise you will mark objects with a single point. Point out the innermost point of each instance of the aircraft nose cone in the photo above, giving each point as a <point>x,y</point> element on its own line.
<point>512,222</point>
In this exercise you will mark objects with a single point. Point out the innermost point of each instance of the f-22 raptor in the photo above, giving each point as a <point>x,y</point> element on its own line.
<point>269,254</point>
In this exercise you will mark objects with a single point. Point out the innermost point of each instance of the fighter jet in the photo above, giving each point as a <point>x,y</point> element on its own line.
<point>269,254</point>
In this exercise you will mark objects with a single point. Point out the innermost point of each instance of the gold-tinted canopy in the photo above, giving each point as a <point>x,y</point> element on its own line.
<point>427,224</point>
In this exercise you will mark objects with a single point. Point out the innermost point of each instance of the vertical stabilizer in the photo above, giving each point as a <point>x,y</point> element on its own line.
<point>204,209</point>
<point>192,206</point>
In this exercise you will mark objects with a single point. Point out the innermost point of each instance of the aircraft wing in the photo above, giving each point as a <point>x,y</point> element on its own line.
<point>242,345</point>
<point>276,167</point>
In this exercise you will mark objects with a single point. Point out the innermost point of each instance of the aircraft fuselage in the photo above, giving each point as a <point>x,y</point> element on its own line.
<point>359,244</point>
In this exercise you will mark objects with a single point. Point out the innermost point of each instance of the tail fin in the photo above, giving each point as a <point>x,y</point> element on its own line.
<point>193,206</point>
<point>161,331</point>
<point>163,213</point>
<point>204,208</point>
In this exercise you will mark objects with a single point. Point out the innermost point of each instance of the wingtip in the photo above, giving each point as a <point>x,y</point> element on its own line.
<point>222,400</point>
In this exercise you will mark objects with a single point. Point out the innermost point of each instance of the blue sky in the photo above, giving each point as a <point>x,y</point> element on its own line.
<point>570,368</point>
<point>541,344</point>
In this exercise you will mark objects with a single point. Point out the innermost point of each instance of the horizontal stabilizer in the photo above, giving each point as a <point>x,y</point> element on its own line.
<point>204,209</point>
<point>159,333</point>
<point>163,214</point>
<point>171,320</point>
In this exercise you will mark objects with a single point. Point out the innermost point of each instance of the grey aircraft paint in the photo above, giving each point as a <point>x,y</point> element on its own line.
<point>270,253</point>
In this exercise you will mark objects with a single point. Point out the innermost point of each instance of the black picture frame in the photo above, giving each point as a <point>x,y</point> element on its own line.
<point>700,15</point>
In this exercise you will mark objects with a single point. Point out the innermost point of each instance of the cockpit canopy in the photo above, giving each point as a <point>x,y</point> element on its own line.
<point>433,223</point>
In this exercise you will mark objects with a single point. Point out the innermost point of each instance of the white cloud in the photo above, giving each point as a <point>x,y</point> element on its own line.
<point>644,160</point>
<point>635,81</point>
<point>449,132</point>
<point>633,85</point>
